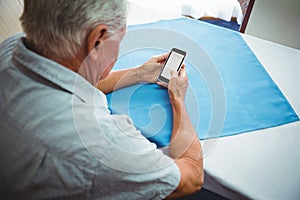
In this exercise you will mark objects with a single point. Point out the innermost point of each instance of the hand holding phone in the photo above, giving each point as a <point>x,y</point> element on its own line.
<point>173,62</point>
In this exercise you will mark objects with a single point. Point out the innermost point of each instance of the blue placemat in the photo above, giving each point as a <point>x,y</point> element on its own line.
<point>230,92</point>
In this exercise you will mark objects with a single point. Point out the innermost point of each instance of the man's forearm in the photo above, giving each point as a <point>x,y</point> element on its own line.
<point>185,148</point>
<point>147,72</point>
<point>184,140</point>
<point>119,79</point>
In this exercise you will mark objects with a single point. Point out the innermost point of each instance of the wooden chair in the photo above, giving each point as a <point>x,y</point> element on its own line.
<point>246,6</point>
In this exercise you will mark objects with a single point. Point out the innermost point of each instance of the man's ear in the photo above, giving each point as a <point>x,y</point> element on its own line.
<point>96,37</point>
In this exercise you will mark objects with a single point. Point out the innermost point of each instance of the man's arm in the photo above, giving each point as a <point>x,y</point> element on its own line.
<point>148,72</point>
<point>185,146</point>
<point>119,79</point>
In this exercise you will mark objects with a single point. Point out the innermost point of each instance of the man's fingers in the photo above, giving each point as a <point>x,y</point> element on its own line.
<point>162,84</point>
<point>162,57</point>
<point>182,71</point>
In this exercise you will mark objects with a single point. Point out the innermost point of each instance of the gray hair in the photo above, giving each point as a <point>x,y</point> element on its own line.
<point>58,28</point>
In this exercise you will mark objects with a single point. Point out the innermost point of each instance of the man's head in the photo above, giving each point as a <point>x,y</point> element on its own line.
<point>63,30</point>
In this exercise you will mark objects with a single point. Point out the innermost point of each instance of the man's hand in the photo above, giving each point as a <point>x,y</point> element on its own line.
<point>178,84</point>
<point>149,71</point>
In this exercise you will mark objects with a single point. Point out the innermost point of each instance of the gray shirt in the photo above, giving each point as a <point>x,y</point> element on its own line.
<point>59,140</point>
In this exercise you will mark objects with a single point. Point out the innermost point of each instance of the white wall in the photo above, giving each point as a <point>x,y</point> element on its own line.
<point>277,21</point>
<point>10,11</point>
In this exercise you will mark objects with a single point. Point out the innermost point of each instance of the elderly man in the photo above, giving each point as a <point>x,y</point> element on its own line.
<point>58,138</point>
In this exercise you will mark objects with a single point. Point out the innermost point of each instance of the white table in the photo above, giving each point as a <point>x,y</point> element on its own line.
<point>262,164</point>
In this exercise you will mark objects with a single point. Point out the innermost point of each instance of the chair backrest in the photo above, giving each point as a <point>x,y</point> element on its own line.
<point>246,6</point>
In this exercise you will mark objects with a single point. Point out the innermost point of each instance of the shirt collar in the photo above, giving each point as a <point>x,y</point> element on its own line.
<point>53,72</point>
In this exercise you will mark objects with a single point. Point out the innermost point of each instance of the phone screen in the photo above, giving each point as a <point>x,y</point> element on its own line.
<point>173,62</point>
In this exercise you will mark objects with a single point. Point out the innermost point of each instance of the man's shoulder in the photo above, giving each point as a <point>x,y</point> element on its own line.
<point>10,42</point>
<point>6,49</point>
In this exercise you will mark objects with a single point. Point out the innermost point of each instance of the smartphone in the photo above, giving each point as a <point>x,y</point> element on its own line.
<point>173,62</point>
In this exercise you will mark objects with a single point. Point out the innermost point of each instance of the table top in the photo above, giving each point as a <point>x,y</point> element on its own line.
<point>262,164</point>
